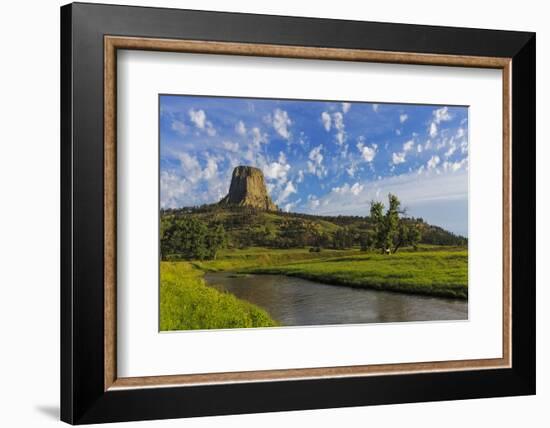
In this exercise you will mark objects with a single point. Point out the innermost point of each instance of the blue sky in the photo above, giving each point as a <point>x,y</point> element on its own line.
<point>318,157</point>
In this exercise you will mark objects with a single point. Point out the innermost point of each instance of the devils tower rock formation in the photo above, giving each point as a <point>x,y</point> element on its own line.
<point>248,189</point>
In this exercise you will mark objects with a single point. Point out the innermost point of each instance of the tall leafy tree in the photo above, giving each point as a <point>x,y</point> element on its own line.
<point>379,225</point>
<point>390,230</point>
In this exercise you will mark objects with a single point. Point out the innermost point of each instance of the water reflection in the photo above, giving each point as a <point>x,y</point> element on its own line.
<point>296,301</point>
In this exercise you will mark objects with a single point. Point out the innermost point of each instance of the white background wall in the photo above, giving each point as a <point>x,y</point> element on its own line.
<point>29,214</point>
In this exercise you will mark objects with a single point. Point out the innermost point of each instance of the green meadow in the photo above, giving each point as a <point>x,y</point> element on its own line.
<point>187,302</point>
<point>442,273</point>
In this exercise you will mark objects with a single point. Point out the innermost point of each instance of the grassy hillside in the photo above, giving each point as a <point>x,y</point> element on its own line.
<point>247,227</point>
<point>187,303</point>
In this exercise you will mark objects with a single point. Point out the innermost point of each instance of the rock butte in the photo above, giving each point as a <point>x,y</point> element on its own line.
<point>248,189</point>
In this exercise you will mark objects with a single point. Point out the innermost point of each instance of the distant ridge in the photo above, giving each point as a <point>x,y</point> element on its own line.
<point>248,189</point>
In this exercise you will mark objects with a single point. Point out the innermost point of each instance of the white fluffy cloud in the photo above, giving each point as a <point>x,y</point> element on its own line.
<point>398,158</point>
<point>315,162</point>
<point>190,166</point>
<point>441,115</point>
<point>281,123</point>
<point>240,128</point>
<point>451,150</point>
<point>346,107</point>
<point>315,155</point>
<point>174,189</point>
<point>276,171</point>
<point>195,182</point>
<point>367,153</point>
<point>288,190</point>
<point>462,140</point>
<point>325,118</point>
<point>433,130</point>
<point>403,117</point>
<point>257,137</point>
<point>338,120</point>
<point>211,169</point>
<point>198,117</point>
<point>408,146</point>
<point>179,126</point>
<point>454,166</point>
<point>231,146</point>
<point>354,190</point>
<point>433,162</point>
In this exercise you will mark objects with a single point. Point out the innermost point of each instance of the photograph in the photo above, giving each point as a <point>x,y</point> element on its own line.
<point>260,211</point>
<point>289,212</point>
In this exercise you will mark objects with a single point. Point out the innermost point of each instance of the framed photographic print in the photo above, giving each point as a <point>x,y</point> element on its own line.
<point>265,213</point>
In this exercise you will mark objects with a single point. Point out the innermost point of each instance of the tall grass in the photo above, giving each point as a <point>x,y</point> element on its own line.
<point>187,303</point>
<point>435,273</point>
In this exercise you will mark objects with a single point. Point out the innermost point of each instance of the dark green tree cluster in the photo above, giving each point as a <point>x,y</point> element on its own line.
<point>186,237</point>
<point>390,231</point>
<point>343,238</point>
<point>435,235</point>
<point>300,233</point>
<point>367,240</point>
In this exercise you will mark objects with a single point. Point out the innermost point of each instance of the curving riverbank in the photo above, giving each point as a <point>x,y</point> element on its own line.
<point>188,302</point>
<point>294,301</point>
<point>431,273</point>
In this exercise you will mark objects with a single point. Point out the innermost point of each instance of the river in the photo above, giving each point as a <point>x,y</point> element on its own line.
<point>298,302</point>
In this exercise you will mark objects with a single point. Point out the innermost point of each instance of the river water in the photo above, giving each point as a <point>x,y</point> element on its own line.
<point>297,302</point>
